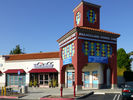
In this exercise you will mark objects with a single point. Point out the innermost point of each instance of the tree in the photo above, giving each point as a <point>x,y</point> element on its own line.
<point>131,55</point>
<point>123,59</point>
<point>17,50</point>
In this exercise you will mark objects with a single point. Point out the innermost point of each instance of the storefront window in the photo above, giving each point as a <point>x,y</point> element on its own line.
<point>14,79</point>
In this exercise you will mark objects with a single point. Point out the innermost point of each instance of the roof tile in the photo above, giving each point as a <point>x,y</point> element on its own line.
<point>32,56</point>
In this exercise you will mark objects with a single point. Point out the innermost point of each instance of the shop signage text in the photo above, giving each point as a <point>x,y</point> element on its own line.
<point>67,61</point>
<point>95,59</point>
<point>44,65</point>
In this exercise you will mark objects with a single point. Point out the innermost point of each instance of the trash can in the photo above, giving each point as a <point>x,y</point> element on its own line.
<point>24,89</point>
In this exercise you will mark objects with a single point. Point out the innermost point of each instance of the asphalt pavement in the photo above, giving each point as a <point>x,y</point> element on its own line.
<point>106,96</point>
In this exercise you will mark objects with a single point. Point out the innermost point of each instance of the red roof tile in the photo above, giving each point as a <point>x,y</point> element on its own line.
<point>99,30</point>
<point>32,56</point>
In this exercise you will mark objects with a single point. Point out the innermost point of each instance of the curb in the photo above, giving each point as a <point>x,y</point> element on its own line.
<point>9,97</point>
<point>56,98</point>
<point>82,97</point>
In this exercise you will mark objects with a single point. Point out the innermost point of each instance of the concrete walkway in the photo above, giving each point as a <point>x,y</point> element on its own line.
<point>37,93</point>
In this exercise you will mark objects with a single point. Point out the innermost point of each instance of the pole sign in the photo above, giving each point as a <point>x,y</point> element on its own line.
<point>18,72</point>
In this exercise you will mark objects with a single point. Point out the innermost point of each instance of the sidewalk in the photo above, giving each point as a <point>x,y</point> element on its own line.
<point>37,93</point>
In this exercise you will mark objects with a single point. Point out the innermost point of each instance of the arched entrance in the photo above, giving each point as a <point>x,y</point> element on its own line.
<point>69,76</point>
<point>92,75</point>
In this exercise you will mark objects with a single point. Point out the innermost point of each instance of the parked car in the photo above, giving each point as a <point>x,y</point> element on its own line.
<point>127,91</point>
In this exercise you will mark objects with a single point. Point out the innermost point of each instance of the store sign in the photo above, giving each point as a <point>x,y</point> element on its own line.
<point>95,59</point>
<point>67,61</point>
<point>18,72</point>
<point>44,65</point>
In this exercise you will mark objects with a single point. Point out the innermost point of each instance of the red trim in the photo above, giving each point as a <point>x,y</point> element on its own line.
<point>53,70</point>
<point>14,71</point>
<point>0,72</point>
<point>56,98</point>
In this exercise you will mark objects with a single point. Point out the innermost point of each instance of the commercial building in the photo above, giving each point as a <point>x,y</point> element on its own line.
<point>21,69</point>
<point>87,57</point>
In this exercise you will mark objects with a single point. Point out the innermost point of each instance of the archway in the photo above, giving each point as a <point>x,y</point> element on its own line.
<point>69,76</point>
<point>92,75</point>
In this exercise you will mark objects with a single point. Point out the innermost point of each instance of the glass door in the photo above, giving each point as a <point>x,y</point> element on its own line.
<point>69,79</point>
<point>46,79</point>
<point>86,79</point>
<point>95,79</point>
<point>41,80</point>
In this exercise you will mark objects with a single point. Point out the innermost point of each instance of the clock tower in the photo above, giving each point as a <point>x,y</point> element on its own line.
<point>87,15</point>
<point>88,54</point>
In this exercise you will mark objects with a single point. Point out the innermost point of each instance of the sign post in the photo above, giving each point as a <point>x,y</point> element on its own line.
<point>18,77</point>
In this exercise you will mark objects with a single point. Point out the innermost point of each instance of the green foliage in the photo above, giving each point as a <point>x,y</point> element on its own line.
<point>54,83</point>
<point>120,71</point>
<point>123,59</point>
<point>35,83</point>
<point>17,50</point>
<point>30,84</point>
<point>50,84</point>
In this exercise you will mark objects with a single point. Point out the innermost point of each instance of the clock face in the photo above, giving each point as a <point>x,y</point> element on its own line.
<point>78,17</point>
<point>91,15</point>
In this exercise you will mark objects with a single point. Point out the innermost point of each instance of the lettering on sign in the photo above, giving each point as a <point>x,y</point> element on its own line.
<point>95,36</point>
<point>89,35</point>
<point>44,65</point>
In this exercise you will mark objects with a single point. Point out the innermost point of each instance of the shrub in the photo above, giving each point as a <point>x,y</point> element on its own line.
<point>54,83</point>
<point>50,84</point>
<point>30,84</point>
<point>35,83</point>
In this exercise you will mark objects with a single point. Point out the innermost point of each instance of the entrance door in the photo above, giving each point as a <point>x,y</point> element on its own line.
<point>44,79</point>
<point>86,79</point>
<point>41,80</point>
<point>69,79</point>
<point>95,79</point>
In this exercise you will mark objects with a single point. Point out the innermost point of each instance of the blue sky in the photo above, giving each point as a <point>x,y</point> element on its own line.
<point>36,24</point>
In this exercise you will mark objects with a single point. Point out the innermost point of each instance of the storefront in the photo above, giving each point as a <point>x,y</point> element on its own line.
<point>43,74</point>
<point>37,69</point>
<point>15,77</point>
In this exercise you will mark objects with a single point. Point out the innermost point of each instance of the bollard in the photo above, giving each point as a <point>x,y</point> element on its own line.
<point>2,91</point>
<point>61,89</point>
<point>74,92</point>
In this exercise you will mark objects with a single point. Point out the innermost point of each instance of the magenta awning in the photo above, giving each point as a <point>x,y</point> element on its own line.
<point>14,71</point>
<point>46,70</point>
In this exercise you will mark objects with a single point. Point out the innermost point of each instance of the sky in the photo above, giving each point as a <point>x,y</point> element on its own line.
<point>36,25</point>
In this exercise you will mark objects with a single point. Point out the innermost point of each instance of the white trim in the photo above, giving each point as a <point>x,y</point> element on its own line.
<point>96,40</point>
<point>68,42</point>
<point>71,36</point>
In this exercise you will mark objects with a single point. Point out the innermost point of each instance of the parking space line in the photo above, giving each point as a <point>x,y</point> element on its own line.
<point>118,97</point>
<point>115,97</point>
